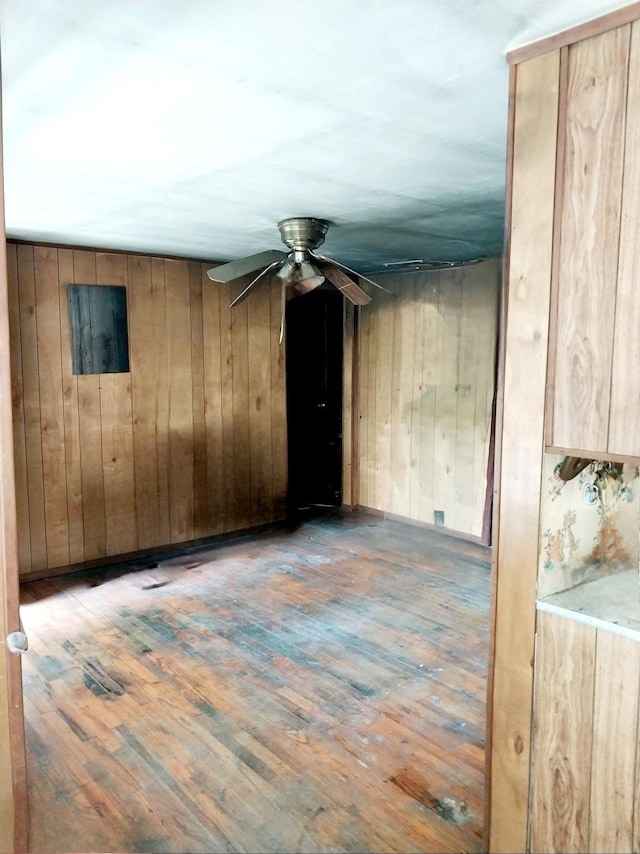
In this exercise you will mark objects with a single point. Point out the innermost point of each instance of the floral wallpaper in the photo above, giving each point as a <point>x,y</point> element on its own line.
<point>589,525</point>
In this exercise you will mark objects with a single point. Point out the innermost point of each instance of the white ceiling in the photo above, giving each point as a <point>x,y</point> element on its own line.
<point>190,127</point>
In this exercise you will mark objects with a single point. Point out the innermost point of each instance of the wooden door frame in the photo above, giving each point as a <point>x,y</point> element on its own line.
<point>13,775</point>
<point>531,183</point>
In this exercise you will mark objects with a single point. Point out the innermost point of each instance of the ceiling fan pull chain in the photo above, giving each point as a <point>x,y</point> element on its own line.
<point>283,305</point>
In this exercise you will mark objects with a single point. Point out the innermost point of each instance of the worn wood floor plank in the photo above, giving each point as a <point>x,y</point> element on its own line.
<point>321,689</point>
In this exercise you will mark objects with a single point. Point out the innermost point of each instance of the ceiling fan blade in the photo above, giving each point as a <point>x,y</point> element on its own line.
<point>349,270</point>
<point>243,266</point>
<point>346,286</point>
<point>253,285</point>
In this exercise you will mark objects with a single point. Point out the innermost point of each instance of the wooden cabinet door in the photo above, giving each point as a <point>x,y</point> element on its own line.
<point>584,781</point>
<point>590,186</point>
<point>624,409</point>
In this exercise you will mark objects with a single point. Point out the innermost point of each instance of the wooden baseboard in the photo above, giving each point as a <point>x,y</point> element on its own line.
<point>157,553</point>
<point>192,545</point>
<point>438,529</point>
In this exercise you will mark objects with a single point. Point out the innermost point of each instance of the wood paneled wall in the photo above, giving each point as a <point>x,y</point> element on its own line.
<point>586,772</point>
<point>534,121</point>
<point>190,443</point>
<point>426,382</point>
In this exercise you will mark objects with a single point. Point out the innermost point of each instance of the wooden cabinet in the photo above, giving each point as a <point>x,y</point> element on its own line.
<point>570,381</point>
<point>585,774</point>
<point>594,360</point>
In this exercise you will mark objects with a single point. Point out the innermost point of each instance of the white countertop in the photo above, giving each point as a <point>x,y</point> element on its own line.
<point>611,602</point>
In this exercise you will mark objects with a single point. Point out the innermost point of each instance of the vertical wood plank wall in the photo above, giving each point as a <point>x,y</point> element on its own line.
<point>190,443</point>
<point>516,559</point>
<point>586,771</point>
<point>426,382</point>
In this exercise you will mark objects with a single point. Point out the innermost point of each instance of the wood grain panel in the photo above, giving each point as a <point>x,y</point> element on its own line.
<point>480,300</point>
<point>93,498</point>
<point>429,321</point>
<point>51,405</point>
<point>381,439</point>
<point>240,412</point>
<point>181,450</point>
<point>590,228</point>
<point>520,465</point>
<point>259,387</point>
<point>635,840</point>
<point>17,396</point>
<point>116,420</point>
<point>614,748</point>
<point>402,392</point>
<point>227,321</point>
<point>415,410</point>
<point>494,515</point>
<point>212,353</point>
<point>201,521</point>
<point>624,412</point>
<point>73,461</point>
<point>31,398</point>
<point>425,387</point>
<point>162,372</point>
<point>554,343</point>
<point>563,721</point>
<point>446,402</point>
<point>144,373</point>
<point>117,463</point>
<point>163,454</point>
<point>367,406</point>
<point>469,399</point>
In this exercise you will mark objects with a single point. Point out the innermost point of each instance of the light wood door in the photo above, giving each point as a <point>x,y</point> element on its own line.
<point>13,781</point>
<point>13,787</point>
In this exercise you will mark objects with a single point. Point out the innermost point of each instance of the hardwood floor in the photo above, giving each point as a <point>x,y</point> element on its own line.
<point>315,690</point>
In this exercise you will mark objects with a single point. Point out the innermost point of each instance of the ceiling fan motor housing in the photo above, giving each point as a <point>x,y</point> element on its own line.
<point>303,232</point>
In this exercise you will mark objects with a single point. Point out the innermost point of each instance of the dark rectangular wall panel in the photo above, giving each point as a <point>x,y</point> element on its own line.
<point>99,339</point>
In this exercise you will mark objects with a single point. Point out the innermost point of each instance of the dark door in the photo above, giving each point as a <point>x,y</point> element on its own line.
<point>314,400</point>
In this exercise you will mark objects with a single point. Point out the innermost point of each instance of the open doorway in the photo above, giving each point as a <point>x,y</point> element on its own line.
<point>314,401</point>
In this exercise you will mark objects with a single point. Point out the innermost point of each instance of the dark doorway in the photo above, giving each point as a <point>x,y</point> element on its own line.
<point>314,400</point>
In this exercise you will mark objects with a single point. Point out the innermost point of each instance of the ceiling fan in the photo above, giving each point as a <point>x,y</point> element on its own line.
<point>301,270</point>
